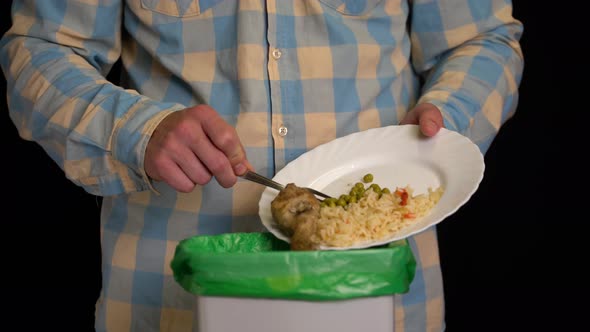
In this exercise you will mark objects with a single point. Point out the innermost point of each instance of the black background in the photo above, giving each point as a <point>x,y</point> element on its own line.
<point>512,257</point>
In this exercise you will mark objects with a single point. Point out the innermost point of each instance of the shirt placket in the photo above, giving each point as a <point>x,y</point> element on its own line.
<point>279,128</point>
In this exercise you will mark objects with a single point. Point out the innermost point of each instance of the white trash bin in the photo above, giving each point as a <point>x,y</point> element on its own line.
<point>227,314</point>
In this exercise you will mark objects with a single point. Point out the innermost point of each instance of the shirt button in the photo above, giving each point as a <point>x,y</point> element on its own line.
<point>283,131</point>
<point>276,54</point>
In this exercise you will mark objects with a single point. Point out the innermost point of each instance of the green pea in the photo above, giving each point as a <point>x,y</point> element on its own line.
<point>323,204</point>
<point>386,191</point>
<point>358,194</point>
<point>368,178</point>
<point>359,185</point>
<point>353,199</point>
<point>375,188</point>
<point>341,202</point>
<point>331,202</point>
<point>344,197</point>
<point>357,191</point>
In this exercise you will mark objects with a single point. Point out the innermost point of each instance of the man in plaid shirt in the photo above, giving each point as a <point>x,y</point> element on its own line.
<point>211,88</point>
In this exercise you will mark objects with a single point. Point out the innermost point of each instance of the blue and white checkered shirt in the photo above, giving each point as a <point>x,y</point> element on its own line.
<point>320,68</point>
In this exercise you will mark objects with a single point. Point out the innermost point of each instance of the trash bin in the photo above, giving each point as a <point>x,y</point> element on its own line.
<point>254,282</point>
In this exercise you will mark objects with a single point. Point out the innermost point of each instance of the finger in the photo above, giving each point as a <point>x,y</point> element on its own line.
<point>216,162</point>
<point>240,167</point>
<point>410,118</point>
<point>248,166</point>
<point>226,139</point>
<point>175,177</point>
<point>213,159</point>
<point>192,166</point>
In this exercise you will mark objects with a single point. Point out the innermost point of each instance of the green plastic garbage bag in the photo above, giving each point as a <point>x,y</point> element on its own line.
<point>258,265</point>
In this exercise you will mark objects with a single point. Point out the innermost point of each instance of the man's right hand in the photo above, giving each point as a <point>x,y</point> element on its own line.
<point>191,146</point>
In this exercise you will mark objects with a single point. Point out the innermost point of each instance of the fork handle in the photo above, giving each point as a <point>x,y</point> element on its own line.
<point>255,177</point>
<point>318,193</point>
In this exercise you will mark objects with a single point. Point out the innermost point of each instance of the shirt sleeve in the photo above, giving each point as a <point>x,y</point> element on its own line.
<point>469,57</point>
<point>55,58</point>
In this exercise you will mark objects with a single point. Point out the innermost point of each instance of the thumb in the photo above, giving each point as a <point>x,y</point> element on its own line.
<point>429,118</point>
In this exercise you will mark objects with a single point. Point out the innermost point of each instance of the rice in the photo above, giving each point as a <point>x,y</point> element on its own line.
<point>373,217</point>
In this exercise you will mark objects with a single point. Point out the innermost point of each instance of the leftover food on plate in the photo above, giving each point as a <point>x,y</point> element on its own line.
<point>366,214</point>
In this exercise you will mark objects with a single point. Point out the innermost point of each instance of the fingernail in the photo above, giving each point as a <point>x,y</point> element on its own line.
<point>240,169</point>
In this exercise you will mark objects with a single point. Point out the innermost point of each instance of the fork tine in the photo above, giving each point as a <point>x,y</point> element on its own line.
<point>255,177</point>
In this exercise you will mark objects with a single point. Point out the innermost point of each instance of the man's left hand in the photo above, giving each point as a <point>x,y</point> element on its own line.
<point>427,116</point>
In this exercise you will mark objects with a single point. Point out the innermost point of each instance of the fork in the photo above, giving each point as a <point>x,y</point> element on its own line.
<point>255,177</point>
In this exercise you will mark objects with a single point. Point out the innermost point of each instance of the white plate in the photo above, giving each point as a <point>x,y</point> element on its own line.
<point>397,156</point>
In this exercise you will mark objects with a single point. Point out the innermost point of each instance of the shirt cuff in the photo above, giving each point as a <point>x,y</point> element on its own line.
<point>131,137</point>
